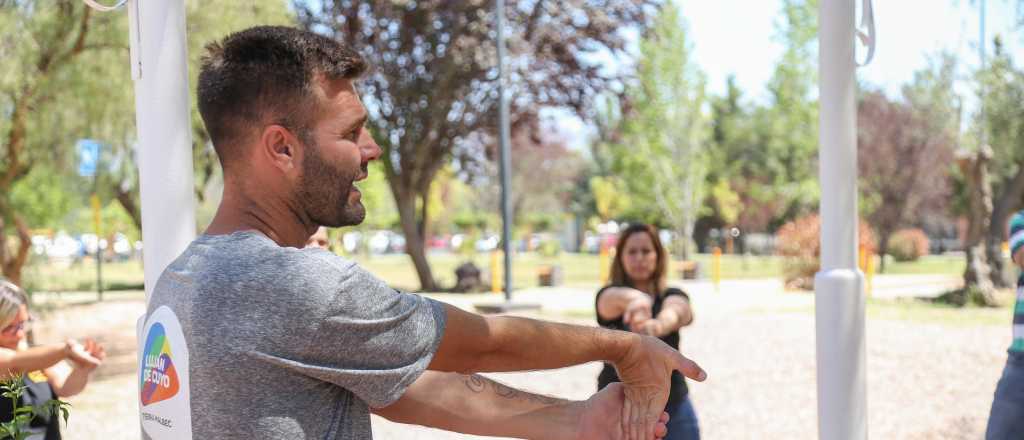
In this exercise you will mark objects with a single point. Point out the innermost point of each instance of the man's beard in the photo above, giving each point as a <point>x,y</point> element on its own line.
<point>324,192</point>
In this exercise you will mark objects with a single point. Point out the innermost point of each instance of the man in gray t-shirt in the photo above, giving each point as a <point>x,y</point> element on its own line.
<point>281,342</point>
<point>309,346</point>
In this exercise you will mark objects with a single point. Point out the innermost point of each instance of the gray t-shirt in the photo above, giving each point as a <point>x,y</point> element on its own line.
<point>289,343</point>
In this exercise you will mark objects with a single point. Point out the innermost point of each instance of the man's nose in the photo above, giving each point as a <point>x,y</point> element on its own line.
<point>368,146</point>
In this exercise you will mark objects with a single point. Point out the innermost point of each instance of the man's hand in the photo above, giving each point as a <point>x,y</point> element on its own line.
<point>600,418</point>
<point>638,311</point>
<point>645,372</point>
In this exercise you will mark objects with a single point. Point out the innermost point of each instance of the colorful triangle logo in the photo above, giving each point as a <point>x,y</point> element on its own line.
<point>158,379</point>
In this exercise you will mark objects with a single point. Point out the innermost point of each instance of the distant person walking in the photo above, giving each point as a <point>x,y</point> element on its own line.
<point>47,376</point>
<point>1006,419</point>
<point>638,300</point>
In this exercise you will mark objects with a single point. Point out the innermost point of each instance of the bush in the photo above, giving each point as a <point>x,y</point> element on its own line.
<point>908,245</point>
<point>799,242</point>
<point>550,248</point>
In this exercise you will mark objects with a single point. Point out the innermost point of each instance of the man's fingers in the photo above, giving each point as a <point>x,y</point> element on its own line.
<point>690,369</point>
<point>651,420</point>
<point>661,429</point>
<point>627,417</point>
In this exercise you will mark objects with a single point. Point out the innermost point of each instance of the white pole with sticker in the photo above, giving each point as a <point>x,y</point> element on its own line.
<point>159,65</point>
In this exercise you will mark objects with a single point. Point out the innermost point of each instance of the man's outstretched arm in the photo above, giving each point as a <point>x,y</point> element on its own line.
<point>473,343</point>
<point>473,404</point>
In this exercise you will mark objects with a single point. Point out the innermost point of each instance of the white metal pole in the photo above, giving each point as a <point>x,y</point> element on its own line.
<point>160,70</point>
<point>839,286</point>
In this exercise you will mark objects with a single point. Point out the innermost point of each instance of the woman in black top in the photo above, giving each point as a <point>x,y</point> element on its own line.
<point>638,300</point>
<point>46,374</point>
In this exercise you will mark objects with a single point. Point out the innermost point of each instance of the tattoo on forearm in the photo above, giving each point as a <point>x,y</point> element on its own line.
<point>475,383</point>
<point>478,384</point>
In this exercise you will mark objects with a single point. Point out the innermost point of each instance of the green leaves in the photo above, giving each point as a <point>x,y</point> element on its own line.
<point>662,158</point>
<point>13,389</point>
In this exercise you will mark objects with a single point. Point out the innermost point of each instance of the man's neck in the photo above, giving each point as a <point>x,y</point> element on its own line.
<point>268,215</point>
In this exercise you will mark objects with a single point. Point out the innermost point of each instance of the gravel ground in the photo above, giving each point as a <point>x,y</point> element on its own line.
<point>925,381</point>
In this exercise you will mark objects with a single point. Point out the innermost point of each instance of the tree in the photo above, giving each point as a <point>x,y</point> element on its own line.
<point>903,165</point>
<point>977,277</point>
<point>207,21</point>
<point>432,88</point>
<point>1004,124</point>
<point>736,196</point>
<point>543,175</point>
<point>42,96</point>
<point>663,158</point>
<point>787,128</point>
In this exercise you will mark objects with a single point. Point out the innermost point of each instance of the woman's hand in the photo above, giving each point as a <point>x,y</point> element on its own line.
<point>87,356</point>
<point>651,327</point>
<point>638,311</point>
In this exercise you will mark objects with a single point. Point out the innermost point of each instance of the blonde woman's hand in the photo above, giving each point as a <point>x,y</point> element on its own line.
<point>88,356</point>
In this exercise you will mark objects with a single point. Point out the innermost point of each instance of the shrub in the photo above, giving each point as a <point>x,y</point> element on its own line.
<point>799,243</point>
<point>550,248</point>
<point>908,245</point>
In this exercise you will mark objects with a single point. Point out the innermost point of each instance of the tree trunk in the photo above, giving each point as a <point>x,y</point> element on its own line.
<point>13,263</point>
<point>1006,202</point>
<point>977,276</point>
<point>883,249</point>
<point>414,242</point>
<point>127,199</point>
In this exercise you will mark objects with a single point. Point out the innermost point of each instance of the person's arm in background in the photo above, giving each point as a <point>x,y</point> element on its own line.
<point>67,380</point>
<point>631,304</point>
<point>472,343</point>
<point>480,406</point>
<point>675,313</point>
<point>40,357</point>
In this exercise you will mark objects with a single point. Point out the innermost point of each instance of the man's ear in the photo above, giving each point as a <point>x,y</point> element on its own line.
<point>279,147</point>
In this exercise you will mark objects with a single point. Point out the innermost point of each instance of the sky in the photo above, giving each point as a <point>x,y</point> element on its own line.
<point>738,37</point>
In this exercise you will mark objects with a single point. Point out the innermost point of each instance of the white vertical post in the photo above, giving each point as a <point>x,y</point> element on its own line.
<point>160,70</point>
<point>839,287</point>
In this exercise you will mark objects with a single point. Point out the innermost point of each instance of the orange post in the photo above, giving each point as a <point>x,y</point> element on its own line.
<point>495,272</point>
<point>602,263</point>
<point>869,274</point>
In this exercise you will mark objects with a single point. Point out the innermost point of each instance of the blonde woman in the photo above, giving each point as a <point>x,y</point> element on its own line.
<point>50,371</point>
<point>638,300</point>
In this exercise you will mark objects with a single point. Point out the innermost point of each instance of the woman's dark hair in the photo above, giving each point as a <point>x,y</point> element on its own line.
<point>619,277</point>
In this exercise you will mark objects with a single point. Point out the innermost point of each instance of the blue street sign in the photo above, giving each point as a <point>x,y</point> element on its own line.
<point>88,157</point>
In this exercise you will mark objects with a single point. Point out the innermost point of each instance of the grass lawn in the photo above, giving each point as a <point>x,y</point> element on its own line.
<point>925,312</point>
<point>579,270</point>
<point>81,276</point>
<point>929,264</point>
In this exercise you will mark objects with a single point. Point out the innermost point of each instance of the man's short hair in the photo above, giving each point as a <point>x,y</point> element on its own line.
<point>265,75</point>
